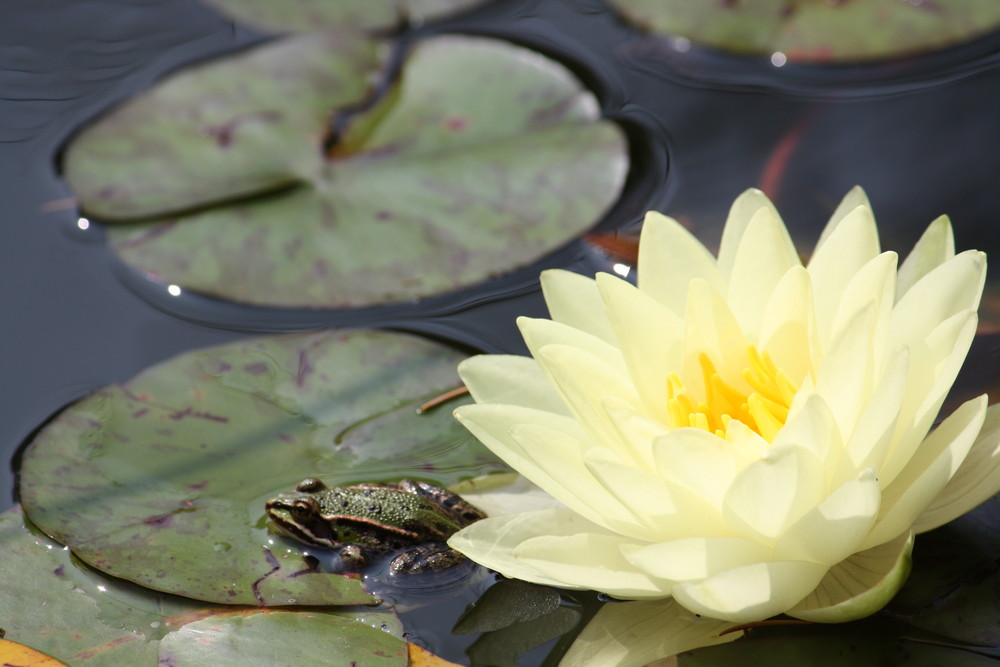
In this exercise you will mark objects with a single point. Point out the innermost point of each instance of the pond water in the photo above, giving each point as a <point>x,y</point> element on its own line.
<point>918,134</point>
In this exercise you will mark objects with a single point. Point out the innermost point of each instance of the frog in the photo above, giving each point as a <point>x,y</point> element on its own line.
<point>413,517</point>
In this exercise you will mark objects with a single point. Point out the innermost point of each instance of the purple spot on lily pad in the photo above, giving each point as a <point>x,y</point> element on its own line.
<point>257,368</point>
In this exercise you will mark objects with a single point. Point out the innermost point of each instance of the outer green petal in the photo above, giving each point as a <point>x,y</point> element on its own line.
<point>491,541</point>
<point>935,247</point>
<point>510,379</point>
<point>630,634</point>
<point>574,300</point>
<point>934,464</point>
<point>860,585</point>
<point>852,244</point>
<point>650,337</point>
<point>751,593</point>
<point>669,259</point>
<point>976,480</point>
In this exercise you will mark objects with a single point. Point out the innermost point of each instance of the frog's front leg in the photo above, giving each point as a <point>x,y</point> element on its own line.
<point>432,557</point>
<point>353,558</point>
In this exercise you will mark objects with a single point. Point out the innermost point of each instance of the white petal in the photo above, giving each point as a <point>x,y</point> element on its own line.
<point>569,482</point>
<point>764,255</point>
<point>976,480</point>
<point>846,377</point>
<point>935,247</point>
<point>539,332</point>
<point>834,529</point>
<point>491,541</point>
<point>504,493</point>
<point>860,585</point>
<point>636,430</point>
<point>851,245</point>
<point>927,473</point>
<point>584,381</point>
<point>747,205</point>
<point>853,199</point>
<point>511,379</point>
<point>874,285</point>
<point>650,337</point>
<point>751,593</point>
<point>950,288</point>
<point>670,258</point>
<point>590,560</point>
<point>670,511</point>
<point>788,329</point>
<point>813,427</point>
<point>632,634</point>
<point>573,300</point>
<point>698,461</point>
<point>771,494</point>
<point>696,558</point>
<point>711,329</point>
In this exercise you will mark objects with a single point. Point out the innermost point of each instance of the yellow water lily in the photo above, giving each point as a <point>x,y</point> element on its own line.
<point>746,434</point>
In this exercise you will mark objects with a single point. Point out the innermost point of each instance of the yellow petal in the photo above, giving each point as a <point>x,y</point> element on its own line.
<point>935,247</point>
<point>573,300</point>
<point>590,560</point>
<point>851,244</point>
<point>975,481</point>
<point>788,329</point>
<point>511,379</point>
<point>860,585</point>
<point>696,558</point>
<point>491,541</point>
<point>538,333</point>
<point>833,530</point>
<point>771,494</point>
<point>650,337</point>
<point>764,255</point>
<point>670,258</point>
<point>934,463</point>
<point>751,593</point>
<point>631,634</point>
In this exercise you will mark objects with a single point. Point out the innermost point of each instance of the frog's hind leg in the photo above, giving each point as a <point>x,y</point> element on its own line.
<point>432,557</point>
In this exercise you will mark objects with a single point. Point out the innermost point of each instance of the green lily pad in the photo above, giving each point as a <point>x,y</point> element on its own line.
<point>481,158</point>
<point>307,15</point>
<point>818,30</point>
<point>162,481</point>
<point>281,638</point>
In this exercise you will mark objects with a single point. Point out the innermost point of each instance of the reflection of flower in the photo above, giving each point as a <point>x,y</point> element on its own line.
<point>745,434</point>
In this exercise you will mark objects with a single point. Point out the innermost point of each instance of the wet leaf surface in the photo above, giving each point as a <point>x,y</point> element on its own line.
<point>818,31</point>
<point>481,158</point>
<point>162,480</point>
<point>307,15</point>
<point>281,638</point>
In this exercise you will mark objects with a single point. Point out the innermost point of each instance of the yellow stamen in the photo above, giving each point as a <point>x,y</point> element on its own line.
<point>764,409</point>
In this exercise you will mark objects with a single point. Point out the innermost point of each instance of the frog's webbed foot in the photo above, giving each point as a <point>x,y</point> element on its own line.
<point>353,558</point>
<point>432,557</point>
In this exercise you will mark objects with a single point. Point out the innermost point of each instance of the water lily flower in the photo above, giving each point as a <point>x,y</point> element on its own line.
<point>745,434</point>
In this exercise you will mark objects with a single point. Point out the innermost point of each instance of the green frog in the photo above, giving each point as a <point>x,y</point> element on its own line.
<point>366,519</point>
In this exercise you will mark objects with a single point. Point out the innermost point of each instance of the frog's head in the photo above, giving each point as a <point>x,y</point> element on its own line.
<point>300,515</point>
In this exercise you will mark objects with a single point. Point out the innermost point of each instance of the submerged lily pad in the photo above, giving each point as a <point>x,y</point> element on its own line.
<point>162,480</point>
<point>306,15</point>
<point>482,157</point>
<point>819,31</point>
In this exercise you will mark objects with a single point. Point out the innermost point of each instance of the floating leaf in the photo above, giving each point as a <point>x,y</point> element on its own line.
<point>810,31</point>
<point>299,15</point>
<point>503,647</point>
<point>281,638</point>
<point>162,481</point>
<point>505,603</point>
<point>481,158</point>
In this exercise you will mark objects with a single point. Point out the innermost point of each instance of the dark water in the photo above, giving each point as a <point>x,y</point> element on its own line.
<point>920,135</point>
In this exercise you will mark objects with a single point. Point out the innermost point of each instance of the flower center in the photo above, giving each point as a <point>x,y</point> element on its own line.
<point>764,409</point>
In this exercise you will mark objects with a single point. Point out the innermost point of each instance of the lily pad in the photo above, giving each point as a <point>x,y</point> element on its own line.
<point>818,31</point>
<point>481,158</point>
<point>162,480</point>
<point>307,15</point>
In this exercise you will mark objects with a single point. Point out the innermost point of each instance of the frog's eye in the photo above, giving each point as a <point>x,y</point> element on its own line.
<point>310,485</point>
<point>305,507</point>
